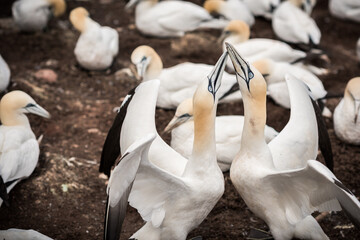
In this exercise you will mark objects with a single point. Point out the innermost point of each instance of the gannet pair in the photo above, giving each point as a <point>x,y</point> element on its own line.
<point>277,181</point>
<point>237,33</point>
<point>19,147</point>
<point>4,75</point>
<point>228,131</point>
<point>292,24</point>
<point>347,114</point>
<point>33,15</point>
<point>97,46</point>
<point>20,234</point>
<point>275,73</point>
<point>178,82</point>
<point>230,10</point>
<point>171,18</point>
<point>345,9</point>
<point>172,201</point>
<point>263,8</point>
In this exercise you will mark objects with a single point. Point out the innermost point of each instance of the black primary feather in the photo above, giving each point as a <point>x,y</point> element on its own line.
<point>111,149</point>
<point>324,139</point>
<point>114,216</point>
<point>3,192</point>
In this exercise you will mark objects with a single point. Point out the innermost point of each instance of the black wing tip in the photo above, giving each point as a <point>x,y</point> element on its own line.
<point>111,148</point>
<point>3,192</point>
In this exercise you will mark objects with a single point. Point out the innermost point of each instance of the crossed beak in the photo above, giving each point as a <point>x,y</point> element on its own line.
<point>242,68</point>
<point>216,74</point>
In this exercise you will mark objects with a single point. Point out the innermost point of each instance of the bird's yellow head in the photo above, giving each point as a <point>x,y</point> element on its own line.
<point>78,18</point>
<point>58,7</point>
<point>148,63</point>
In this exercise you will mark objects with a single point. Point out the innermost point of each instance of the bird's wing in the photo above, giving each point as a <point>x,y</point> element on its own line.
<point>314,187</point>
<point>152,189</point>
<point>30,234</point>
<point>110,39</point>
<point>182,16</point>
<point>111,148</point>
<point>120,184</point>
<point>300,132</point>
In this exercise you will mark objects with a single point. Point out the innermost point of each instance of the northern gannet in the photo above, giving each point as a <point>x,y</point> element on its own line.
<point>264,8</point>
<point>97,45</point>
<point>180,81</point>
<point>345,9</point>
<point>171,18</point>
<point>19,147</point>
<point>237,33</point>
<point>20,234</point>
<point>275,72</point>
<point>171,202</point>
<point>4,75</point>
<point>347,114</point>
<point>294,25</point>
<point>33,15</point>
<point>230,10</point>
<point>228,131</point>
<point>276,184</point>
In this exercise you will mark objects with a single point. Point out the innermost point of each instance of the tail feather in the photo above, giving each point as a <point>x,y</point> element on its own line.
<point>3,192</point>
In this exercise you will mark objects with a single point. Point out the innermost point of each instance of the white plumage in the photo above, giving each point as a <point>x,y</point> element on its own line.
<point>180,81</point>
<point>275,73</point>
<point>4,75</point>
<point>20,234</point>
<point>33,15</point>
<point>172,18</point>
<point>347,114</point>
<point>97,45</point>
<point>228,130</point>
<point>19,147</point>
<point>263,8</point>
<point>293,25</point>
<point>345,9</point>
<point>172,194</point>
<point>277,181</point>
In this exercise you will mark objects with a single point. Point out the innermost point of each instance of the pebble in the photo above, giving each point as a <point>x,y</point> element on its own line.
<point>47,75</point>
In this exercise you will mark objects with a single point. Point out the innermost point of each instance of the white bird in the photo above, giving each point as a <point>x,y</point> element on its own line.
<point>230,10</point>
<point>228,131</point>
<point>33,15</point>
<point>237,33</point>
<point>264,8</point>
<point>19,147</point>
<point>276,181</point>
<point>20,234</point>
<point>172,204</point>
<point>4,75</point>
<point>171,18</point>
<point>274,74</point>
<point>178,82</point>
<point>345,9</point>
<point>294,25</point>
<point>97,45</point>
<point>347,114</point>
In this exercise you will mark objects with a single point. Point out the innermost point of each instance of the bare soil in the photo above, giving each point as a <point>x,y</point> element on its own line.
<point>65,197</point>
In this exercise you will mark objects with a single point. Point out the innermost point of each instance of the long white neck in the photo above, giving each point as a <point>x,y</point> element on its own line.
<point>253,142</point>
<point>11,118</point>
<point>204,149</point>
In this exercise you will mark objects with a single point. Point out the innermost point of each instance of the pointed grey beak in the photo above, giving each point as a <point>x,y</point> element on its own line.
<point>242,68</point>
<point>177,121</point>
<point>216,74</point>
<point>37,110</point>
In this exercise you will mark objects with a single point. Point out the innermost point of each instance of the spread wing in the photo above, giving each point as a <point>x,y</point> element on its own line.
<point>311,188</point>
<point>120,184</point>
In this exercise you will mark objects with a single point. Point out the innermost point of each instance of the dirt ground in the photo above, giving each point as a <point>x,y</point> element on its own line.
<point>65,197</point>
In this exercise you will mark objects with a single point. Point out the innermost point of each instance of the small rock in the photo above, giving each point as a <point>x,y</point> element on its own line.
<point>103,176</point>
<point>52,63</point>
<point>47,75</point>
<point>132,26</point>
<point>93,130</point>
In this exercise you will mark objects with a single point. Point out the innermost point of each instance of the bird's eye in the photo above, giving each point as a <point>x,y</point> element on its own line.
<point>30,105</point>
<point>143,59</point>
<point>186,115</point>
